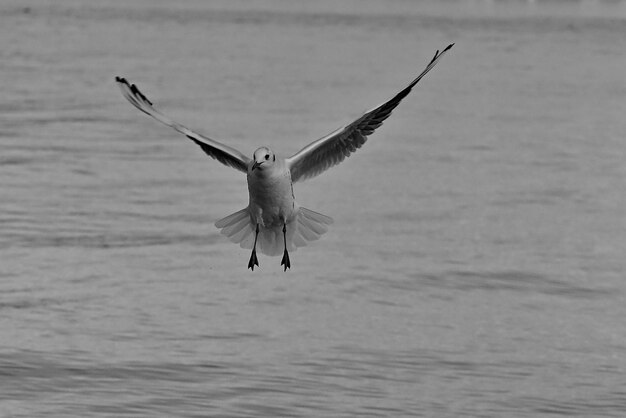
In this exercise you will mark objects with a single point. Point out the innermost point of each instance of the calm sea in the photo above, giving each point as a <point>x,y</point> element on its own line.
<point>477,262</point>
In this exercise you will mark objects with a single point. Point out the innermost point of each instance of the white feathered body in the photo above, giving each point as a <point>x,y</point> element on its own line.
<point>272,202</point>
<point>272,205</point>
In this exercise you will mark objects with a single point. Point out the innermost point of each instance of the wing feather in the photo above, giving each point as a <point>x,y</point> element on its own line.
<point>222,153</point>
<point>332,149</point>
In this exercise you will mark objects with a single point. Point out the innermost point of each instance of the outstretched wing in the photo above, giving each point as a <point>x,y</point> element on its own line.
<point>222,153</point>
<point>332,149</point>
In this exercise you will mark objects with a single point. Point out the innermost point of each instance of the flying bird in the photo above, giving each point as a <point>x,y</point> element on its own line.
<point>273,222</point>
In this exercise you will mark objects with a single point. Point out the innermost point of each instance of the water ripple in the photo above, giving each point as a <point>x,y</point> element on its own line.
<point>513,281</point>
<point>105,240</point>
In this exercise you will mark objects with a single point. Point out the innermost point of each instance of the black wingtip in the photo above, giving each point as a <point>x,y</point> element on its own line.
<point>438,54</point>
<point>136,92</point>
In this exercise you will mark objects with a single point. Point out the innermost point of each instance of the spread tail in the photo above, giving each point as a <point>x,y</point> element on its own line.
<point>306,226</point>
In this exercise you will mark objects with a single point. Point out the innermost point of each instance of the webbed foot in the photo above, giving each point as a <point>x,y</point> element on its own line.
<point>253,260</point>
<point>285,261</point>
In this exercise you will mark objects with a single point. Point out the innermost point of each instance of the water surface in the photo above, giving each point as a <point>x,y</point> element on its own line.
<point>476,264</point>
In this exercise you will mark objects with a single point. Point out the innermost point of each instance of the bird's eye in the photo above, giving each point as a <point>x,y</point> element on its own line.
<point>267,157</point>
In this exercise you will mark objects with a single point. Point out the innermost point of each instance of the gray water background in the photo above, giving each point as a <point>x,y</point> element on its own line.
<point>476,266</point>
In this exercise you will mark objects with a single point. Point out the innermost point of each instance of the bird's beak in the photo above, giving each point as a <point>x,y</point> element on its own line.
<point>255,165</point>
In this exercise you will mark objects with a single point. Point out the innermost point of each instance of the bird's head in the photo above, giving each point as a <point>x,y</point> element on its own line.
<point>262,158</point>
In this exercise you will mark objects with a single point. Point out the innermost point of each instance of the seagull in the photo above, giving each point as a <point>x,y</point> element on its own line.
<point>273,222</point>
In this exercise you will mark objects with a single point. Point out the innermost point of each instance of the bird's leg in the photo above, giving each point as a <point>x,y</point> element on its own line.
<point>253,260</point>
<point>285,261</point>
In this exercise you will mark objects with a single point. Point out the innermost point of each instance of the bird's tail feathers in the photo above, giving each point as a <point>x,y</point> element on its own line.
<point>238,228</point>
<point>307,226</point>
<point>310,226</point>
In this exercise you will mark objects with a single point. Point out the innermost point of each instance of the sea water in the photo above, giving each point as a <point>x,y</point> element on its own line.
<point>476,266</point>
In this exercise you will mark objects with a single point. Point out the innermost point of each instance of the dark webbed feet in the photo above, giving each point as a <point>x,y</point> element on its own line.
<point>253,260</point>
<point>285,261</point>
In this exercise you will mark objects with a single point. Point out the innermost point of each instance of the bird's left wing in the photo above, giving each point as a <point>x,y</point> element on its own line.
<point>332,149</point>
<point>222,153</point>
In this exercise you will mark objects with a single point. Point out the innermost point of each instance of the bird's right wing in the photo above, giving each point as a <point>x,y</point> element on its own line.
<point>332,149</point>
<point>222,153</point>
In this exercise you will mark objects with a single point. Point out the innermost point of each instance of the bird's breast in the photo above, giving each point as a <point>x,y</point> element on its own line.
<point>271,196</point>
